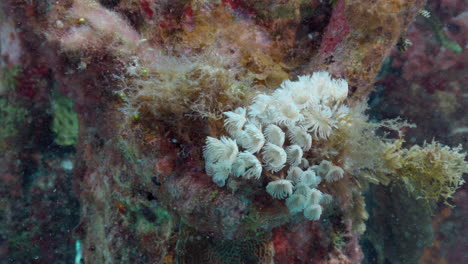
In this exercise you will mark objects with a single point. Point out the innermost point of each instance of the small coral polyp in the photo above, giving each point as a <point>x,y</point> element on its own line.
<point>307,111</point>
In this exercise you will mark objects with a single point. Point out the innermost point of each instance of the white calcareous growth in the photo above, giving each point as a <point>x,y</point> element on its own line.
<point>308,111</point>
<point>329,90</point>
<point>299,136</point>
<point>295,175</point>
<point>296,203</point>
<point>294,155</point>
<point>235,120</point>
<point>274,135</point>
<point>315,196</point>
<point>215,150</point>
<point>334,174</point>
<point>303,190</point>
<point>261,107</point>
<point>304,164</point>
<point>251,138</point>
<point>301,92</point>
<point>287,113</point>
<point>221,172</point>
<point>310,178</point>
<point>324,167</point>
<point>319,121</point>
<point>313,212</point>
<point>280,189</point>
<point>247,165</point>
<point>274,157</point>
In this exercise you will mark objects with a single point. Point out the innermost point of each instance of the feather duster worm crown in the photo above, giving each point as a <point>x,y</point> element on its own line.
<point>276,133</point>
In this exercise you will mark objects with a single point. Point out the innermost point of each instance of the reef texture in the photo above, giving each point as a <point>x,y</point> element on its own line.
<point>149,82</point>
<point>427,85</point>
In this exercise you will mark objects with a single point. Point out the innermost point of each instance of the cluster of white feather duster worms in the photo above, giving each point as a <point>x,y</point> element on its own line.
<point>275,133</point>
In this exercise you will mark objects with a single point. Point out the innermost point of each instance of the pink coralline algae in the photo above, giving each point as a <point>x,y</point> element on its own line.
<point>337,30</point>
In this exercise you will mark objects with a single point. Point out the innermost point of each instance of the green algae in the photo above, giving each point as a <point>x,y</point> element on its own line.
<point>8,78</point>
<point>440,35</point>
<point>65,120</point>
<point>433,171</point>
<point>12,115</point>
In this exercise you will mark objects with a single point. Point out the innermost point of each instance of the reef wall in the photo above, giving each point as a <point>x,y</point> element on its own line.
<point>146,82</point>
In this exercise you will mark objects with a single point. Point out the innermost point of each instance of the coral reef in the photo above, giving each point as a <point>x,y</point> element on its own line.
<point>170,163</point>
